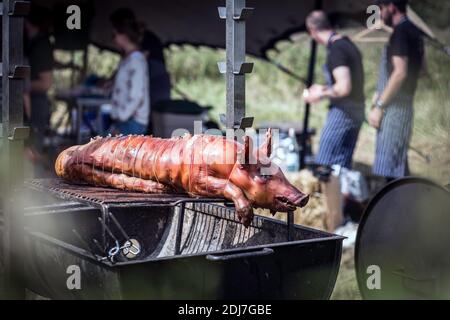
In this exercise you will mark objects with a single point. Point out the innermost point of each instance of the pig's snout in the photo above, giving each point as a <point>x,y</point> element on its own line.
<point>286,203</point>
<point>301,200</point>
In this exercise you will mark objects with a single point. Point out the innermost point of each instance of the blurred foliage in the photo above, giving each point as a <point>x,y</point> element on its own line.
<point>272,95</point>
<point>434,12</point>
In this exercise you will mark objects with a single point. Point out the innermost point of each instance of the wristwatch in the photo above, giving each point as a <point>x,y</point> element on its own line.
<point>379,104</point>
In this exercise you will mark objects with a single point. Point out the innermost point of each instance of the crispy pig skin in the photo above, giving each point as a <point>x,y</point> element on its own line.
<point>199,165</point>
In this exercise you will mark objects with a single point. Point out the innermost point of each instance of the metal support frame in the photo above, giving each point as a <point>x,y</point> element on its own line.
<point>13,134</point>
<point>235,69</point>
<point>235,13</point>
<point>309,82</point>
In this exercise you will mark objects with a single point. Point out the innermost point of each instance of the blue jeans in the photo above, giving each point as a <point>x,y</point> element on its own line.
<point>130,127</point>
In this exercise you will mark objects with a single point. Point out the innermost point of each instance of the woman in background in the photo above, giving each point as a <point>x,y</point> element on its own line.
<point>131,92</point>
<point>152,47</point>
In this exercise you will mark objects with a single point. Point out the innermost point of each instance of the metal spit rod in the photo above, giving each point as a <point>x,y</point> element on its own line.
<point>235,13</point>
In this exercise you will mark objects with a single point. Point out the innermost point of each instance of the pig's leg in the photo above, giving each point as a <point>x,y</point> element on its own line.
<point>243,206</point>
<point>119,181</point>
<point>226,189</point>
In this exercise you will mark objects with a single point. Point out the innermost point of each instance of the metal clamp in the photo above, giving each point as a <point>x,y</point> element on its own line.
<point>126,248</point>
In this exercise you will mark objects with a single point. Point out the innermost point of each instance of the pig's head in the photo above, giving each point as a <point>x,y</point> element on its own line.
<point>263,182</point>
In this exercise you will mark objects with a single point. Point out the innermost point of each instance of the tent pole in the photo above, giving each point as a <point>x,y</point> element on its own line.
<point>288,71</point>
<point>84,70</point>
<point>309,82</point>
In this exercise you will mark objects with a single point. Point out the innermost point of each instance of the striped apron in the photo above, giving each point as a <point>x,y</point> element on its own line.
<point>394,134</point>
<point>340,132</point>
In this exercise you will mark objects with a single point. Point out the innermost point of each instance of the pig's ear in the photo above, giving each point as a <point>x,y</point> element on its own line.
<point>266,147</point>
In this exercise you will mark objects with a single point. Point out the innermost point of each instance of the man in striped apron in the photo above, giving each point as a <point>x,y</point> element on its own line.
<point>345,90</point>
<point>392,113</point>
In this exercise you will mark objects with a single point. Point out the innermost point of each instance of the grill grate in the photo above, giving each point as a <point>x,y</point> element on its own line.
<point>211,227</point>
<point>108,196</point>
<point>197,224</point>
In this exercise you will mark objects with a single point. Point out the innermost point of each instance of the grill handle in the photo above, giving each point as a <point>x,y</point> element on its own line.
<point>232,256</point>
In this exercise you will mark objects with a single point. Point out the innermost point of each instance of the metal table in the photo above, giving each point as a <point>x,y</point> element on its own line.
<point>82,104</point>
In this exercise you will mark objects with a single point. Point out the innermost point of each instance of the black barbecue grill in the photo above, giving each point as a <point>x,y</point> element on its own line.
<point>133,245</point>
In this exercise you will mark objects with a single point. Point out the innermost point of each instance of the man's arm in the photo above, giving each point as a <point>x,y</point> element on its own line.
<point>342,87</point>
<point>396,80</point>
<point>398,76</point>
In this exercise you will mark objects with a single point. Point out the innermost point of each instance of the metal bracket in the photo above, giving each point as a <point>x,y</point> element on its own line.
<point>20,133</point>
<point>244,14</point>
<point>18,72</point>
<point>19,9</point>
<point>244,123</point>
<point>235,66</point>
<point>222,12</point>
<point>245,67</point>
<point>222,67</point>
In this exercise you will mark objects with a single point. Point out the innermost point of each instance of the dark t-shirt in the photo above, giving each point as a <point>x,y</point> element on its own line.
<point>40,55</point>
<point>39,52</point>
<point>407,41</point>
<point>159,77</point>
<point>150,42</point>
<point>343,52</point>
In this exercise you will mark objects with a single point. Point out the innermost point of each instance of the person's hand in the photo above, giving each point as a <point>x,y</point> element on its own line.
<point>314,94</point>
<point>375,117</point>
<point>107,85</point>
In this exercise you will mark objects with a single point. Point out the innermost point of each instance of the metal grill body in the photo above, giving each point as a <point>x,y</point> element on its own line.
<point>186,248</point>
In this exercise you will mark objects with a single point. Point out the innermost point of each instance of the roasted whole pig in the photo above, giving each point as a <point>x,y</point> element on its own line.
<point>200,165</point>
